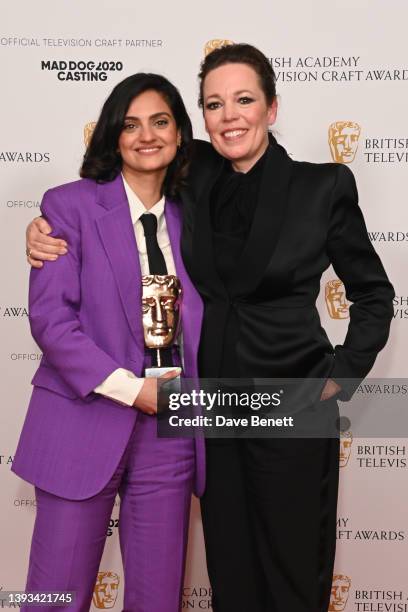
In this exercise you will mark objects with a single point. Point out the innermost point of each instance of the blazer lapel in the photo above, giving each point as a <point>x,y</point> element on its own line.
<point>118,237</point>
<point>192,308</point>
<point>266,227</point>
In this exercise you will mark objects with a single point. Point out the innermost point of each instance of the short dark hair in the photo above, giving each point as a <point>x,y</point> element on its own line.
<point>240,53</point>
<point>102,161</point>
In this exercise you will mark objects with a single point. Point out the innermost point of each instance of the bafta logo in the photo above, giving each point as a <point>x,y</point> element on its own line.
<point>106,590</point>
<point>346,440</point>
<point>88,131</point>
<point>339,593</point>
<point>343,140</point>
<point>161,300</point>
<point>335,296</point>
<point>216,43</point>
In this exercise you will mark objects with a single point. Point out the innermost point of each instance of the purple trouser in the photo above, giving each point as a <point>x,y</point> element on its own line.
<point>154,479</point>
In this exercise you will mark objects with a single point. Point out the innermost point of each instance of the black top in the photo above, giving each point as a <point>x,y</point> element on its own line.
<point>232,206</point>
<point>233,202</point>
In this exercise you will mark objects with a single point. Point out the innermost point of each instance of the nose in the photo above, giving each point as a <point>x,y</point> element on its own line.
<point>347,143</point>
<point>230,111</point>
<point>146,133</point>
<point>159,315</point>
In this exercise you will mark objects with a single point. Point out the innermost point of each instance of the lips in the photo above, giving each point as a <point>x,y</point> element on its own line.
<point>148,150</point>
<point>231,135</point>
<point>160,330</point>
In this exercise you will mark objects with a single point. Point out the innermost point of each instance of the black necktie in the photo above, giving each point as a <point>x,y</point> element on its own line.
<point>157,263</point>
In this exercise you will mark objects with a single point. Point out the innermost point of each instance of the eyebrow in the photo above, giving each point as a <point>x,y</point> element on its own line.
<point>151,116</point>
<point>236,93</point>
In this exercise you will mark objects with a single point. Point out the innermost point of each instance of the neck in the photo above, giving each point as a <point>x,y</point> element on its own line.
<point>146,185</point>
<point>244,165</point>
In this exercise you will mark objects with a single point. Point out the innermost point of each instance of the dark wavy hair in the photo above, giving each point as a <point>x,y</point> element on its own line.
<point>102,162</point>
<point>240,53</point>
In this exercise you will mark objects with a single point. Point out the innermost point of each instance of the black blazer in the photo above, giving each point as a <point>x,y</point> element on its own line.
<point>307,217</point>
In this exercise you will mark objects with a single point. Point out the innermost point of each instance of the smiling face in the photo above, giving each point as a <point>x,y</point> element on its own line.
<point>148,141</point>
<point>237,114</point>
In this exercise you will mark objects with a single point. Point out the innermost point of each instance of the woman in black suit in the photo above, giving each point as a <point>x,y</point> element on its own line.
<point>259,231</point>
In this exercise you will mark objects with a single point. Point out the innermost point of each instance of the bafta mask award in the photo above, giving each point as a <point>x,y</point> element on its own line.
<point>161,304</point>
<point>343,141</point>
<point>335,295</point>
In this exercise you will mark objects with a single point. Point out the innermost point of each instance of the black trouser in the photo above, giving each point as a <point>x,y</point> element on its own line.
<point>269,517</point>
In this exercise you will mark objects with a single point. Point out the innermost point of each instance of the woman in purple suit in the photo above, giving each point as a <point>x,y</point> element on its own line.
<point>90,431</point>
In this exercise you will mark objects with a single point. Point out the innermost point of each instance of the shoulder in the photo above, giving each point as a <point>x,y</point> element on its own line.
<point>309,174</point>
<point>71,191</point>
<point>324,170</point>
<point>203,166</point>
<point>66,202</point>
<point>203,152</point>
<point>202,147</point>
<point>333,176</point>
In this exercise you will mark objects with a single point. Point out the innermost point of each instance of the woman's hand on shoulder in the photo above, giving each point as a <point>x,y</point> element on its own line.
<point>146,400</point>
<point>41,247</point>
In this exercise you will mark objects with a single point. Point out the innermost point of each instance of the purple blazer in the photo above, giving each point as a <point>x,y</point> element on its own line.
<point>85,315</point>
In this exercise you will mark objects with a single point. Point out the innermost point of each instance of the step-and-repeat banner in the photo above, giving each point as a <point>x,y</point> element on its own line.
<point>342,77</point>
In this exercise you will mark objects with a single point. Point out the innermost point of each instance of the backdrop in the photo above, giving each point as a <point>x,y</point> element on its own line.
<point>342,75</point>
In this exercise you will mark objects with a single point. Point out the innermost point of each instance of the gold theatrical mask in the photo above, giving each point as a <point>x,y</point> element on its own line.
<point>339,593</point>
<point>343,141</point>
<point>106,590</point>
<point>346,440</point>
<point>216,43</point>
<point>335,295</point>
<point>161,301</point>
<point>88,131</point>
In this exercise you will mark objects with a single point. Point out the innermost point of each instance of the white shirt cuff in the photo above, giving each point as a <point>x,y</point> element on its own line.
<point>122,386</point>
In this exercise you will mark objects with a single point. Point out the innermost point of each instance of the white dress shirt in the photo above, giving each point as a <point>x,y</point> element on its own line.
<point>122,385</point>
